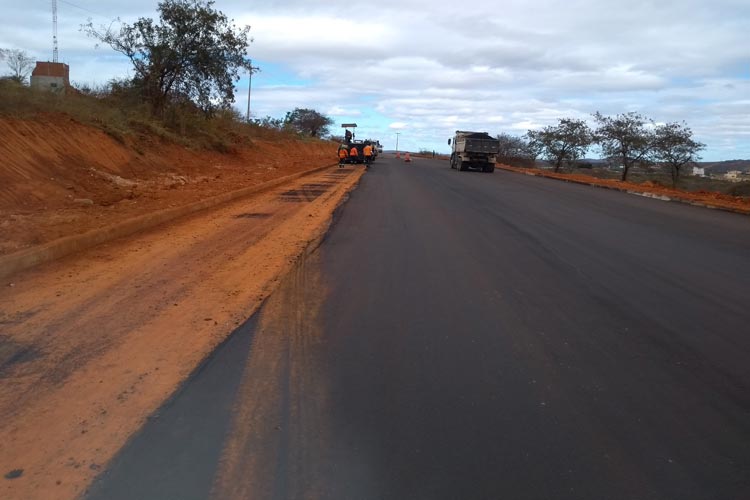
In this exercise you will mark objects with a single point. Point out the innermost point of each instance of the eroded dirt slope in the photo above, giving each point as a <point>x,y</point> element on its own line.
<point>59,177</point>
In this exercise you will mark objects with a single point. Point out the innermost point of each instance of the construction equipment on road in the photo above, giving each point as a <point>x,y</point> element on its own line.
<point>348,134</point>
<point>357,152</point>
<point>476,150</point>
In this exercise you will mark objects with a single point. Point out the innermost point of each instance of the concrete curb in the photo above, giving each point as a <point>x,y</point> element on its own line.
<point>28,258</point>
<point>645,194</point>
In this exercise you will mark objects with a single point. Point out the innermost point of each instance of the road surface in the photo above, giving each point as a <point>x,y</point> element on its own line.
<point>478,336</point>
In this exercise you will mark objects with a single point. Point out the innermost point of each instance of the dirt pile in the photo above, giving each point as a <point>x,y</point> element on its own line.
<point>59,177</point>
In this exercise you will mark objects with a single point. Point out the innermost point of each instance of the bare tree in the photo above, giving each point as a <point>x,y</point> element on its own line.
<point>19,62</point>
<point>514,150</point>
<point>565,142</point>
<point>512,146</point>
<point>674,147</point>
<point>624,138</point>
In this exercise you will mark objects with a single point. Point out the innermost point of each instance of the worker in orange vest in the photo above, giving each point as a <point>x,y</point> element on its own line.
<point>343,155</point>
<point>367,151</point>
<point>353,155</point>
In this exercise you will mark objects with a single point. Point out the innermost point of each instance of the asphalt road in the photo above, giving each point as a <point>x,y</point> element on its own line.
<point>477,336</point>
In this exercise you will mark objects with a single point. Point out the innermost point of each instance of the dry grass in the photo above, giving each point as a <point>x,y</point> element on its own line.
<point>125,118</point>
<point>688,183</point>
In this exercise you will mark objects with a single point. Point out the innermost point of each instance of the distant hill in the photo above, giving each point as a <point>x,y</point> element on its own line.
<point>722,167</point>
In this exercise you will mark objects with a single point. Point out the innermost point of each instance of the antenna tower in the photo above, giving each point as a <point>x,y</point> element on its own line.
<point>54,30</point>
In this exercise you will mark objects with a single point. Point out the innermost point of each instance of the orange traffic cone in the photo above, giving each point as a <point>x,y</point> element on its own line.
<point>407,158</point>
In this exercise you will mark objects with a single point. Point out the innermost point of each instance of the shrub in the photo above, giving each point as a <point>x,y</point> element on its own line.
<point>741,189</point>
<point>117,109</point>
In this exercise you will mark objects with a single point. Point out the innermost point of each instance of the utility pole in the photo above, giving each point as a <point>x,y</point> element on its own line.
<point>397,134</point>
<point>251,68</point>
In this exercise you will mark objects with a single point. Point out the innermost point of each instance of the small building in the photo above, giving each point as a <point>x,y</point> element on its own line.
<point>51,76</point>
<point>736,176</point>
<point>699,171</point>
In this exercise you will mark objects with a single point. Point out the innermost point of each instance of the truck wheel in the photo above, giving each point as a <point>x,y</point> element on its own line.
<point>489,168</point>
<point>463,166</point>
<point>453,162</point>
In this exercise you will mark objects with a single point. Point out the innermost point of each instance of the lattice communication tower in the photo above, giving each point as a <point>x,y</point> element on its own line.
<point>54,30</point>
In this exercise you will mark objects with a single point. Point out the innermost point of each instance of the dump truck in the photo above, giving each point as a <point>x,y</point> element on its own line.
<point>475,150</point>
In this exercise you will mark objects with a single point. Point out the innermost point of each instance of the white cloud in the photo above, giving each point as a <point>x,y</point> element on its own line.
<point>341,111</point>
<point>429,67</point>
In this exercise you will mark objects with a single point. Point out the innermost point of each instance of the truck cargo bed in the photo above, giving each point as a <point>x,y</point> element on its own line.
<point>481,145</point>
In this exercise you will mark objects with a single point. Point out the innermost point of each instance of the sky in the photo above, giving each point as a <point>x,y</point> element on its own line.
<point>425,68</point>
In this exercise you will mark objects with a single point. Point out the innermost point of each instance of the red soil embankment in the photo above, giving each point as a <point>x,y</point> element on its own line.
<point>59,177</point>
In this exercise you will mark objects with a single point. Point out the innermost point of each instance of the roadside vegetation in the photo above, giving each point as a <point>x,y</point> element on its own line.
<point>19,63</point>
<point>115,109</point>
<point>626,141</point>
<point>633,148</point>
<point>182,91</point>
<point>563,143</point>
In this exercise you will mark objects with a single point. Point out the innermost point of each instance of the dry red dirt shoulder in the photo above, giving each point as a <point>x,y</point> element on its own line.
<point>92,344</point>
<point>709,199</point>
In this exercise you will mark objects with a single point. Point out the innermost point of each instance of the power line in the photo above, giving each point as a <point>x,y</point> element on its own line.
<point>54,23</point>
<point>84,9</point>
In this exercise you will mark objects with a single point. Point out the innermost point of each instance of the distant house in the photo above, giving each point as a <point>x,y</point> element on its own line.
<point>699,171</point>
<point>736,176</point>
<point>51,76</point>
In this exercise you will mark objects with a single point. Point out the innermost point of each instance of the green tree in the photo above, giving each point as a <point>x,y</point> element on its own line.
<point>193,52</point>
<point>674,147</point>
<point>565,142</point>
<point>308,122</point>
<point>624,138</point>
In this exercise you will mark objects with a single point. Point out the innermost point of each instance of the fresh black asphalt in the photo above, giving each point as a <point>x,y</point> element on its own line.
<point>490,336</point>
